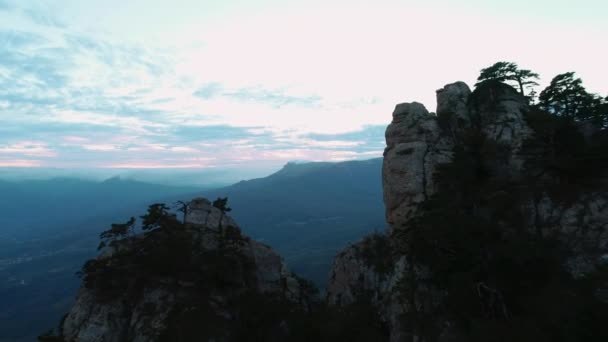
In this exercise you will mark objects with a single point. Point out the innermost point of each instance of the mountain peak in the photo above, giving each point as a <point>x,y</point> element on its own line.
<point>143,287</point>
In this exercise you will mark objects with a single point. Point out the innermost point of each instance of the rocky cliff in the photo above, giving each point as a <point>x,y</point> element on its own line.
<point>419,144</point>
<point>416,144</point>
<point>202,296</point>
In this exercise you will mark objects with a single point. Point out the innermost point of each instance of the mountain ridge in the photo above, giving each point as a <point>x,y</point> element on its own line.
<point>311,256</point>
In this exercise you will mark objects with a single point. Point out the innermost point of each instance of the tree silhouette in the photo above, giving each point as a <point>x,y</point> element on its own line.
<point>597,111</point>
<point>118,231</point>
<point>222,205</point>
<point>602,112</point>
<point>158,217</point>
<point>183,207</point>
<point>566,96</point>
<point>510,73</point>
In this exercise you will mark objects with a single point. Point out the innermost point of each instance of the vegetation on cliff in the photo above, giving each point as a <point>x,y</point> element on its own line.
<point>501,276</point>
<point>216,292</point>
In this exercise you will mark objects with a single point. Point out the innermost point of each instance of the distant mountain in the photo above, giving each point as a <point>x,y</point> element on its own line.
<point>35,207</point>
<point>48,228</point>
<point>309,211</point>
<point>202,178</point>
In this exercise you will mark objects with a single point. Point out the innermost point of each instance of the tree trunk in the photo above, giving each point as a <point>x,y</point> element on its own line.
<point>521,86</point>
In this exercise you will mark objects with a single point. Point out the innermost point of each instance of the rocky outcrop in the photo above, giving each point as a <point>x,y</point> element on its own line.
<point>499,111</point>
<point>146,315</point>
<point>417,143</point>
<point>353,276</point>
<point>118,320</point>
<point>414,147</point>
<point>453,105</point>
<point>582,227</point>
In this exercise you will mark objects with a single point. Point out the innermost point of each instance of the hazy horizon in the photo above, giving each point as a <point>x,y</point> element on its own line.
<point>205,178</point>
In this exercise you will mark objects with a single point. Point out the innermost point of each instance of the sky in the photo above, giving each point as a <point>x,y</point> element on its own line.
<point>191,84</point>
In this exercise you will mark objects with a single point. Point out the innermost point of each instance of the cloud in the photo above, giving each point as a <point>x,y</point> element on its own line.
<point>26,72</point>
<point>209,90</point>
<point>368,133</point>
<point>369,138</point>
<point>295,141</point>
<point>15,39</point>
<point>71,72</point>
<point>133,125</point>
<point>153,165</point>
<point>44,18</point>
<point>100,147</point>
<point>276,98</point>
<point>218,85</point>
<point>183,149</point>
<point>19,163</point>
<point>257,94</point>
<point>28,148</point>
<point>21,128</point>
<point>102,103</point>
<point>286,155</point>
<point>212,133</point>
<point>75,139</point>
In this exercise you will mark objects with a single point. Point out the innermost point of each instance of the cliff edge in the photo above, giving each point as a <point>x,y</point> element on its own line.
<point>466,189</point>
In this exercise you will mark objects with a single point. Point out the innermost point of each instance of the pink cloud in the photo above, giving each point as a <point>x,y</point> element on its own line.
<point>74,139</point>
<point>28,148</point>
<point>20,163</point>
<point>154,165</point>
<point>100,147</point>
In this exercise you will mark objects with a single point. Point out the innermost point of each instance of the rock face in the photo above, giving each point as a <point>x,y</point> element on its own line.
<point>352,275</point>
<point>414,146</point>
<point>417,142</point>
<point>146,317</point>
<point>581,226</point>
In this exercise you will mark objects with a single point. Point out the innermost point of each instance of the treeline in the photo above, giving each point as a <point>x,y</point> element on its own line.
<point>565,96</point>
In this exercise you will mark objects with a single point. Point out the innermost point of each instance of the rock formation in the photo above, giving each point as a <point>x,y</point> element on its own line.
<point>147,315</point>
<point>414,147</point>
<point>417,143</point>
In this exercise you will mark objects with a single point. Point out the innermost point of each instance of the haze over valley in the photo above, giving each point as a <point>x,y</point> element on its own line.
<point>307,211</point>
